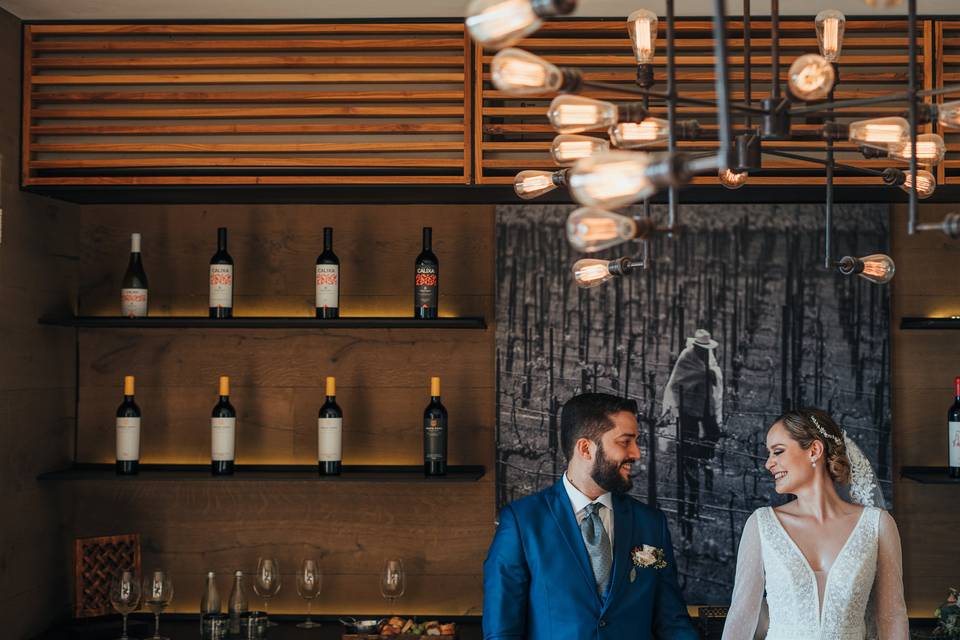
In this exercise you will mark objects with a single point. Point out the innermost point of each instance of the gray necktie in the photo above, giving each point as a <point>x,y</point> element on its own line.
<point>598,545</point>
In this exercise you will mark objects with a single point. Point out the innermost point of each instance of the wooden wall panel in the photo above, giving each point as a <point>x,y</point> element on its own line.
<point>516,134</point>
<point>245,103</point>
<point>441,530</point>
<point>38,258</point>
<point>924,364</point>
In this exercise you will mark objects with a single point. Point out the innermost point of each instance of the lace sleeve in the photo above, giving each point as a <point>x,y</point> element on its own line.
<point>747,600</point>
<point>890,609</point>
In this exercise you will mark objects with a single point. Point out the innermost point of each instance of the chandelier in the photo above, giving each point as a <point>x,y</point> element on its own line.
<point>604,175</point>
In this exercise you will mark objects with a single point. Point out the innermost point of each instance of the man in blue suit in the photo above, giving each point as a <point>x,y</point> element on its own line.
<point>582,559</point>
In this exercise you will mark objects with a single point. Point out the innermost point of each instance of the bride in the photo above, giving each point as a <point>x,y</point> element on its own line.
<point>830,567</point>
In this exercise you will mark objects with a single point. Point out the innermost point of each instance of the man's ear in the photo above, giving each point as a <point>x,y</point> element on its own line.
<point>584,448</point>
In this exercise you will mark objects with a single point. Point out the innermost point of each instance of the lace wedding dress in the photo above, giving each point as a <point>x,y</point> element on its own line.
<point>860,597</point>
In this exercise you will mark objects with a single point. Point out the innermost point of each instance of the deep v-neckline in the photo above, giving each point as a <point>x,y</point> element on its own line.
<point>806,563</point>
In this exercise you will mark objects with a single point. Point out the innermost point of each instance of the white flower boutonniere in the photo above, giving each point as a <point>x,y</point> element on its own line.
<point>645,557</point>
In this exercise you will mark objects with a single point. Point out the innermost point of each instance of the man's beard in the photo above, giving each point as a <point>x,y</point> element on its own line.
<point>607,474</point>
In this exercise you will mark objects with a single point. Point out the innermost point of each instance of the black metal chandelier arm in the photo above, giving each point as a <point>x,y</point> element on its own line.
<point>649,93</point>
<point>836,165</point>
<point>852,102</point>
<point>954,88</point>
<point>912,90</point>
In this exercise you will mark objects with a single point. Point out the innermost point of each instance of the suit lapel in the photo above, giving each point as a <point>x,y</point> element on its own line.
<point>622,540</point>
<point>570,531</point>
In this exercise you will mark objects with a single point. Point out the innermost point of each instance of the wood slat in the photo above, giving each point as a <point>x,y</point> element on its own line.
<point>311,147</point>
<point>249,129</point>
<point>114,113</point>
<point>40,97</point>
<point>248,28</point>
<point>251,161</point>
<point>240,46</point>
<point>225,180</point>
<point>244,78</point>
<point>603,60</point>
<point>253,62</point>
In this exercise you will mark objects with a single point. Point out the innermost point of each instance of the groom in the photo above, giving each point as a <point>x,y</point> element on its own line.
<point>582,559</point>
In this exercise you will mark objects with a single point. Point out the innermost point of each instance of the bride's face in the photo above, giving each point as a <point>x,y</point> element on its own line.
<point>787,461</point>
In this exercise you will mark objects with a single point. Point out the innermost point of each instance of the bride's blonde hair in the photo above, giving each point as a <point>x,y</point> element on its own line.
<point>808,424</point>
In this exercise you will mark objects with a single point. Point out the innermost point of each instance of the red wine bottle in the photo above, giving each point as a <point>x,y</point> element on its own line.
<point>426,288</point>
<point>328,279</point>
<point>953,432</point>
<point>435,433</point>
<point>329,432</point>
<point>128,431</point>
<point>221,279</point>
<point>133,291</point>
<point>223,431</point>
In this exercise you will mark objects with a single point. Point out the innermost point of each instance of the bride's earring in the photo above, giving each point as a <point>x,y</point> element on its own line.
<point>813,463</point>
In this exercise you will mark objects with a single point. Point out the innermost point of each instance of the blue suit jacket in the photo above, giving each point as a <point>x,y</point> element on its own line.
<point>538,583</point>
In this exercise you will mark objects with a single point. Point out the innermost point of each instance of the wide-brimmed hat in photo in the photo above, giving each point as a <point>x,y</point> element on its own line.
<point>701,338</point>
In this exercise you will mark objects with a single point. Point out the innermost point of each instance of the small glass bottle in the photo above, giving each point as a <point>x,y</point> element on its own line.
<point>209,601</point>
<point>238,603</point>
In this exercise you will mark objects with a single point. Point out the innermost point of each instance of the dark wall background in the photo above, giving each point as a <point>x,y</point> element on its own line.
<point>788,333</point>
<point>38,257</point>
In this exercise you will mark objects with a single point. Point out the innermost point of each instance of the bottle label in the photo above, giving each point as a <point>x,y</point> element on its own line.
<point>954,444</point>
<point>329,439</point>
<point>426,285</point>
<point>221,286</point>
<point>222,442</point>
<point>434,433</point>
<point>133,303</point>
<point>328,286</point>
<point>128,438</point>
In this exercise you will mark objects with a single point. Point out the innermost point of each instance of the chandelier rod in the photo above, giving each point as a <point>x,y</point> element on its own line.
<point>721,82</point>
<point>912,89</point>
<point>837,165</point>
<point>747,65</point>
<point>775,49</point>
<point>671,111</point>
<point>663,95</point>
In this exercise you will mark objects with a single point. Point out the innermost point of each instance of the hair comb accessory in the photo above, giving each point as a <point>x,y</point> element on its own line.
<point>837,441</point>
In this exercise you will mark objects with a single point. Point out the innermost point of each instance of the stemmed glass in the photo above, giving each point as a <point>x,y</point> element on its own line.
<point>393,580</point>
<point>309,583</point>
<point>266,583</point>
<point>157,595</point>
<point>125,597</point>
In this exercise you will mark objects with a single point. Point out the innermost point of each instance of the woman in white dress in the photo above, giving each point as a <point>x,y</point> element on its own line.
<point>819,567</point>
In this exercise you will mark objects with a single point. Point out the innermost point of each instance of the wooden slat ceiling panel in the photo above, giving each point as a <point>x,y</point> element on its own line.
<point>514,134</point>
<point>246,104</point>
<point>948,73</point>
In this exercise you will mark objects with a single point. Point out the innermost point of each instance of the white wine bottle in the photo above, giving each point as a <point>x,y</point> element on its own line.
<point>128,431</point>
<point>223,427</point>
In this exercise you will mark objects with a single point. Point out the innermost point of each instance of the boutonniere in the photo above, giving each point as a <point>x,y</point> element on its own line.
<point>645,557</point>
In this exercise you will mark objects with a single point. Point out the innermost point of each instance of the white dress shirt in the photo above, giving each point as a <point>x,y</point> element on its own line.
<point>579,503</point>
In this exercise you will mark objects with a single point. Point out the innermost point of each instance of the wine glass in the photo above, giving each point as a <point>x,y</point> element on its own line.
<point>125,597</point>
<point>266,583</point>
<point>309,583</point>
<point>393,580</point>
<point>157,594</point>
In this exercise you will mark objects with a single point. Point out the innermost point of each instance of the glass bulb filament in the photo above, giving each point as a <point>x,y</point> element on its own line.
<point>642,27</point>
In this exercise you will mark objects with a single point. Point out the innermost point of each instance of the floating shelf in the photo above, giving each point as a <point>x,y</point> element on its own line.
<point>930,323</point>
<point>301,322</point>
<point>928,475</point>
<point>264,473</point>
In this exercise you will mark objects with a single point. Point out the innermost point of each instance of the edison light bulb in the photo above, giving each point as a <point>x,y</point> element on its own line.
<point>830,24</point>
<point>590,229</point>
<point>573,114</point>
<point>567,149</point>
<point>930,149</point>
<point>520,73</point>
<point>877,268</point>
<point>732,179</point>
<point>811,77</point>
<point>531,184</point>
<point>948,114</point>
<point>634,135</point>
<point>879,133</point>
<point>612,179</point>
<point>590,272</point>
<point>500,23</point>
<point>882,4</point>
<point>926,184</point>
<point>642,27</point>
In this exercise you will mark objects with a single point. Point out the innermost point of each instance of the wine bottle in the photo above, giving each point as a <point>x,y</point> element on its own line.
<point>238,603</point>
<point>328,279</point>
<point>953,432</point>
<point>221,279</point>
<point>426,288</point>
<point>133,290</point>
<point>329,429</point>
<point>209,602</point>
<point>128,431</point>
<point>435,433</point>
<point>223,426</point>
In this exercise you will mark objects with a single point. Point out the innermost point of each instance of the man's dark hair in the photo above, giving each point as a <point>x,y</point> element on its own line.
<point>588,416</point>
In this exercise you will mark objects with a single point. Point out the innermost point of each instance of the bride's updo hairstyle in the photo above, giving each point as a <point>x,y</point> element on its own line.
<point>808,424</point>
